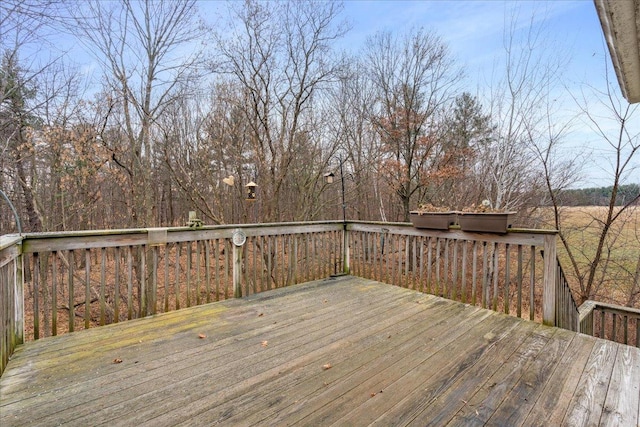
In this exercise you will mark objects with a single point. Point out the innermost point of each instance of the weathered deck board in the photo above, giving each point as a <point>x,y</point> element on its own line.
<point>398,357</point>
<point>551,407</point>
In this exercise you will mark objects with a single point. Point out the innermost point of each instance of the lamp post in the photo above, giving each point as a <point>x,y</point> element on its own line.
<point>329,178</point>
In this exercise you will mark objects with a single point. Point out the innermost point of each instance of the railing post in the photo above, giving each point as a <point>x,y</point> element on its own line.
<point>237,271</point>
<point>346,253</point>
<point>19,298</point>
<point>238,239</point>
<point>549,281</point>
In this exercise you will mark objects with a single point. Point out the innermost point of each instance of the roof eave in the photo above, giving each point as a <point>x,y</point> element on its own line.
<point>620,21</point>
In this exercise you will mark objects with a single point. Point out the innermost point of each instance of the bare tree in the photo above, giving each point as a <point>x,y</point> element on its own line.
<point>591,260</point>
<point>146,50</point>
<point>280,55</point>
<point>415,77</point>
<point>352,100</point>
<point>519,108</point>
<point>25,74</point>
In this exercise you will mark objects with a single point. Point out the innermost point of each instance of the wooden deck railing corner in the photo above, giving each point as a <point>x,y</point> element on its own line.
<point>609,321</point>
<point>11,297</point>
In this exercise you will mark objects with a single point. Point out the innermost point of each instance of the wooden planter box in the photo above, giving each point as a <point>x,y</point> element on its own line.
<point>433,220</point>
<point>485,222</point>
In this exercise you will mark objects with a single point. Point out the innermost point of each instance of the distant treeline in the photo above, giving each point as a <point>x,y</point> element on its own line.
<point>600,196</point>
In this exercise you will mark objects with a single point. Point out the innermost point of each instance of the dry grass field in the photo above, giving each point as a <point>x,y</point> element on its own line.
<point>616,278</point>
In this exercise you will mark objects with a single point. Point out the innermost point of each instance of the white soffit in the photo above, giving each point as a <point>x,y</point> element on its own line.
<point>620,20</point>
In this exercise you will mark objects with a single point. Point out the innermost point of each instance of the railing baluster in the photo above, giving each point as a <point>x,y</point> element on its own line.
<point>454,279</point>
<point>293,248</point>
<point>507,278</point>
<point>485,286</point>
<point>421,261</point>
<point>198,272</point>
<point>153,292</point>
<point>228,266</point>
<point>116,285</point>
<point>54,293</point>
<point>71,295</point>
<point>474,278</point>
<point>463,279</point>
<point>399,258</point>
<point>167,249</point>
<point>410,258</point>
<point>188,272</point>
<point>254,253</point>
<point>44,291</point>
<point>519,280</point>
<point>275,260</point>
<point>87,287</point>
<point>446,286</point>
<point>177,283</point>
<point>129,282</point>
<point>36,296</point>
<point>438,280</point>
<point>216,267</point>
<point>495,274</point>
<point>103,285</point>
<point>532,283</point>
<point>142,288</point>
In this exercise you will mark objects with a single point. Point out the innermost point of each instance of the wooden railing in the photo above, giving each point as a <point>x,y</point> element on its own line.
<point>611,322</point>
<point>11,300</point>
<point>77,280</point>
<point>501,272</point>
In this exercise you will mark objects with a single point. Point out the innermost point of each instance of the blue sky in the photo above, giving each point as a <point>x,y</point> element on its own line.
<point>474,31</point>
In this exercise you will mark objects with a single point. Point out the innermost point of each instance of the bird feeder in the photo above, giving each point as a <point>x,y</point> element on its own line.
<point>328,177</point>
<point>251,191</point>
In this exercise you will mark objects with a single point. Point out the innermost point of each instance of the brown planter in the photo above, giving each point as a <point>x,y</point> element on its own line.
<point>433,220</point>
<point>485,222</point>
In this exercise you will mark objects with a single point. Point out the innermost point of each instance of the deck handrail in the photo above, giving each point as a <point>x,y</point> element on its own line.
<point>11,297</point>
<point>610,321</point>
<point>160,269</point>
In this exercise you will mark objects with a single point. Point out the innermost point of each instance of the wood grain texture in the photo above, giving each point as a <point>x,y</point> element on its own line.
<point>342,351</point>
<point>587,404</point>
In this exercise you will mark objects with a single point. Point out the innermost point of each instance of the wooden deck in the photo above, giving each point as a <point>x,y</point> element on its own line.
<point>343,351</point>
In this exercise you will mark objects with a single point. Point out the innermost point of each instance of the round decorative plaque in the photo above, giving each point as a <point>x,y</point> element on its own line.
<point>239,237</point>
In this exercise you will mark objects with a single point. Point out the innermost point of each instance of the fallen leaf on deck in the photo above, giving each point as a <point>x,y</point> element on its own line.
<point>326,366</point>
<point>202,336</point>
<point>373,394</point>
<point>265,343</point>
<point>117,360</point>
<point>261,314</point>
